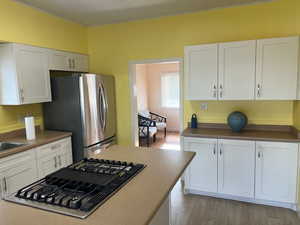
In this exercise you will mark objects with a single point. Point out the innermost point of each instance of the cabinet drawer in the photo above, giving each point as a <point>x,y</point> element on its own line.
<point>11,160</point>
<point>51,148</point>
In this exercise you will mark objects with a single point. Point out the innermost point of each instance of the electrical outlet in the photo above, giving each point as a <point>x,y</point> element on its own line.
<point>21,118</point>
<point>204,106</point>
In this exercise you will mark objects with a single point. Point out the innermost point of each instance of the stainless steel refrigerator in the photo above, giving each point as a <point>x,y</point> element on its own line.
<point>83,104</point>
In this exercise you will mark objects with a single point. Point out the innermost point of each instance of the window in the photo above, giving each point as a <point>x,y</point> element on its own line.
<point>170,90</point>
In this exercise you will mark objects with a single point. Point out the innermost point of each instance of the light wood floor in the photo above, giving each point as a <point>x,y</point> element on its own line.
<point>171,142</point>
<point>201,210</point>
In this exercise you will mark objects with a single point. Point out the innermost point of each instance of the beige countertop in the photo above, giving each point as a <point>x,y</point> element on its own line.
<point>42,138</point>
<point>135,204</point>
<point>258,135</point>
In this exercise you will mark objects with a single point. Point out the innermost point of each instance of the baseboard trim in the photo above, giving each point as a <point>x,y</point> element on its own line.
<point>298,210</point>
<point>291,206</point>
<point>172,130</point>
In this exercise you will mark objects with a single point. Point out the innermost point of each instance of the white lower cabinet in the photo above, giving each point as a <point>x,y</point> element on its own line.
<point>54,156</point>
<point>261,172</point>
<point>24,168</point>
<point>17,171</point>
<point>203,171</point>
<point>276,171</point>
<point>236,168</point>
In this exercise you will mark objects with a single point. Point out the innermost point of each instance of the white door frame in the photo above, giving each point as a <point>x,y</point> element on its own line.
<point>133,94</point>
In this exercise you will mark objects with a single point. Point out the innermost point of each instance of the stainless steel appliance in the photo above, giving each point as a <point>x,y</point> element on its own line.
<point>83,104</point>
<point>79,189</point>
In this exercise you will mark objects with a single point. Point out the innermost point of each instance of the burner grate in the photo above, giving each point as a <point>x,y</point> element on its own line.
<point>79,189</point>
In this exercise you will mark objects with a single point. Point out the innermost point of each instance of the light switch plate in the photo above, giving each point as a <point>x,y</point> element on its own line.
<point>204,106</point>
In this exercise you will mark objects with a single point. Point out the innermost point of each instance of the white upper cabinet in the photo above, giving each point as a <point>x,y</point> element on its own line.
<point>64,61</point>
<point>264,69</point>
<point>276,171</point>
<point>236,169</point>
<point>81,63</point>
<point>59,60</point>
<point>24,75</point>
<point>237,70</point>
<point>277,68</point>
<point>202,174</point>
<point>201,70</point>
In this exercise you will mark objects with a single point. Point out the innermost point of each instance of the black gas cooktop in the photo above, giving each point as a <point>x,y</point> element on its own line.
<point>79,189</point>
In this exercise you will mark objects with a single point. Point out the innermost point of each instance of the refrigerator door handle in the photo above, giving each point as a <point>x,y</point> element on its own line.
<point>101,107</point>
<point>104,106</point>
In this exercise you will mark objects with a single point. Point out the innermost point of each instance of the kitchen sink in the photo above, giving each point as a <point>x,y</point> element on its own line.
<point>8,145</point>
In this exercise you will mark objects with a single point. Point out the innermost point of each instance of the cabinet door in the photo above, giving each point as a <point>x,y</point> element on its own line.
<point>59,60</point>
<point>1,187</point>
<point>47,165</point>
<point>237,70</point>
<point>81,63</point>
<point>276,171</point>
<point>201,72</point>
<point>277,68</point>
<point>236,167</point>
<point>202,172</point>
<point>17,173</point>
<point>33,74</point>
<point>64,154</point>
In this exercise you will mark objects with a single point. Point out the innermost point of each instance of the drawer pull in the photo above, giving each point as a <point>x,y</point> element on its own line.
<point>59,159</point>
<point>55,162</point>
<point>5,184</point>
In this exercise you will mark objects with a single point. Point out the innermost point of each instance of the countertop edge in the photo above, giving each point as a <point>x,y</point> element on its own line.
<point>35,143</point>
<point>171,188</point>
<point>241,138</point>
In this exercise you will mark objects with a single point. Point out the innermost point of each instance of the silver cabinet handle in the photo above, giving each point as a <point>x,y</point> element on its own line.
<point>70,65</point>
<point>258,90</point>
<point>55,162</point>
<point>215,91</point>
<point>22,94</point>
<point>73,63</point>
<point>5,184</point>
<point>59,157</point>
<point>260,155</point>
<point>221,152</point>
<point>215,149</point>
<point>221,91</point>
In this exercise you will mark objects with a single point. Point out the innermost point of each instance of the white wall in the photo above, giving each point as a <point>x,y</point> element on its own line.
<point>142,87</point>
<point>154,72</point>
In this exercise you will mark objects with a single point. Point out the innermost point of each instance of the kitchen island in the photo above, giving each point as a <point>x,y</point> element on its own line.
<point>144,200</point>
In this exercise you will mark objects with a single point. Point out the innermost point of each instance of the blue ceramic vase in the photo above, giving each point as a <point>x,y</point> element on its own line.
<point>237,121</point>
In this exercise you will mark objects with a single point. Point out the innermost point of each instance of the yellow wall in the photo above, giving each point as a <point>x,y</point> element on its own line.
<point>258,112</point>
<point>297,114</point>
<point>22,24</point>
<point>111,47</point>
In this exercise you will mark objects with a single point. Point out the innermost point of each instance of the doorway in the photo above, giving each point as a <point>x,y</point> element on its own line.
<point>156,103</point>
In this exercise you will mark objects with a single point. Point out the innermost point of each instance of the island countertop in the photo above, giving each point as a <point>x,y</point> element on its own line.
<point>134,204</point>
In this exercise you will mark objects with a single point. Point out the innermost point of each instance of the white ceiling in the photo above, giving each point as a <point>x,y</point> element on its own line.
<point>98,12</point>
